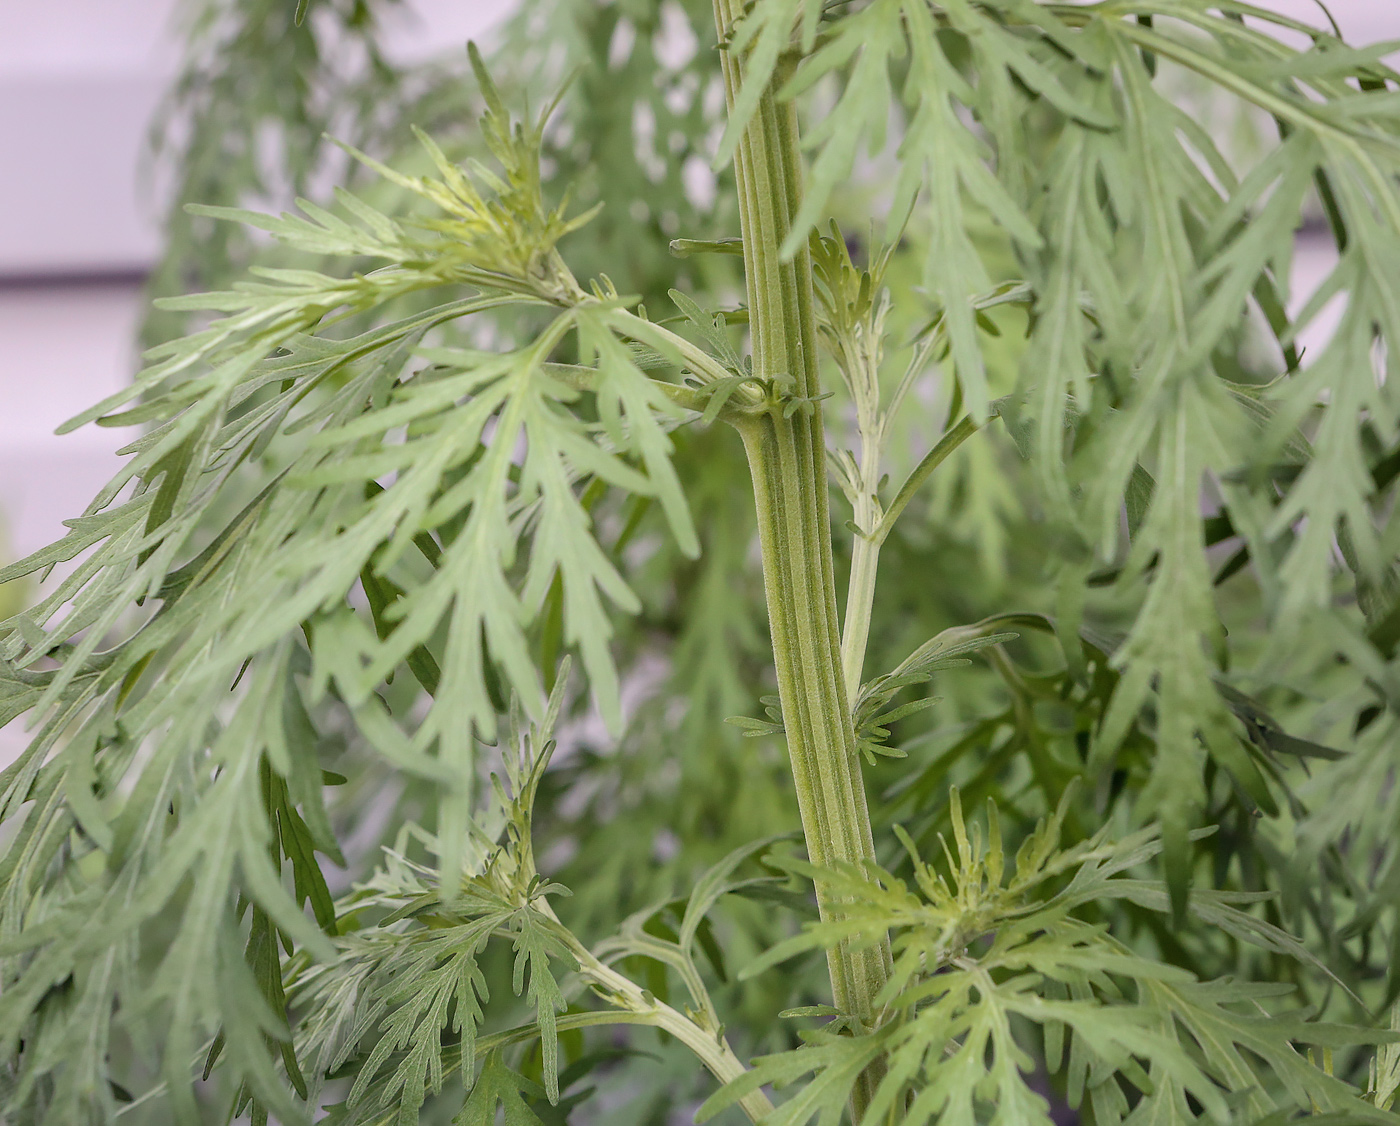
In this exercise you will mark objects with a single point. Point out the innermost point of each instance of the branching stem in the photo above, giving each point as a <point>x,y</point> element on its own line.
<point>709,1045</point>
<point>787,459</point>
<point>700,362</point>
<point>640,1007</point>
<point>865,554</point>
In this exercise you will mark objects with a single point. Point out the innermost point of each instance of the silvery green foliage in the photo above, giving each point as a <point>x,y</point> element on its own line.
<point>389,478</point>
<point>982,947</point>
<point>214,655</point>
<point>1143,245</point>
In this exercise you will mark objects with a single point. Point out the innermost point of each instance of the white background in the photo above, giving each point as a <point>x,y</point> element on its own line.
<point>78,79</point>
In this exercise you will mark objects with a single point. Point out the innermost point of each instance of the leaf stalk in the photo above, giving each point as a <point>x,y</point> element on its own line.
<point>637,1006</point>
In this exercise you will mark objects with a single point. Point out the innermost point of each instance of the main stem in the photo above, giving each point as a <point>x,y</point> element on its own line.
<point>787,459</point>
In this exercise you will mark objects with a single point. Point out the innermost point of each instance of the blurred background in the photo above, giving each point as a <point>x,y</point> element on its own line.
<point>81,209</point>
<point>81,206</point>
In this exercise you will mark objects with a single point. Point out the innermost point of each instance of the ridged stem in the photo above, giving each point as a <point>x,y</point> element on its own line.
<point>787,459</point>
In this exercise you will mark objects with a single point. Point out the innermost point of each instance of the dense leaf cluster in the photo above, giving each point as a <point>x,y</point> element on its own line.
<point>984,953</point>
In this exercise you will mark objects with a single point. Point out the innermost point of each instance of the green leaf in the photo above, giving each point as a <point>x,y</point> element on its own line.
<point>534,947</point>
<point>498,1089</point>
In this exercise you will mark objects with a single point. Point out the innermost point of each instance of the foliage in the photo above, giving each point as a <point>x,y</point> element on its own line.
<point>314,812</point>
<point>985,951</point>
<point>254,74</point>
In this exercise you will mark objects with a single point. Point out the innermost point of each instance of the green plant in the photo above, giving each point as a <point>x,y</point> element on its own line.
<point>374,507</point>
